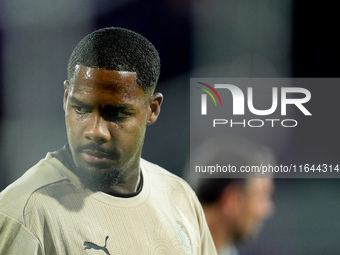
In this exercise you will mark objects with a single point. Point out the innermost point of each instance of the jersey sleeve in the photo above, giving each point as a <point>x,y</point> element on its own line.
<point>208,246</point>
<point>16,239</point>
<point>207,242</point>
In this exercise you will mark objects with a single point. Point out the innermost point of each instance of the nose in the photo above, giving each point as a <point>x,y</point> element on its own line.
<point>97,130</point>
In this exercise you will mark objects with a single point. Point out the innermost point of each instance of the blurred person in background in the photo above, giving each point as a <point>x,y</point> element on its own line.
<point>235,208</point>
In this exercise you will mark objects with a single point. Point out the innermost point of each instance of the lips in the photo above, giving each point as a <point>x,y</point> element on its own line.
<point>95,156</point>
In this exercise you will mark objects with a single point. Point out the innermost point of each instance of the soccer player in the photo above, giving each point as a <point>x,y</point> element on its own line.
<point>97,195</point>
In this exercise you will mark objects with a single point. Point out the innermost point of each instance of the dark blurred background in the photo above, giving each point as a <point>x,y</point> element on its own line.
<point>229,38</point>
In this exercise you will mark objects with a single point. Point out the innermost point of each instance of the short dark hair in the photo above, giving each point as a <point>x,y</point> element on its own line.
<point>210,190</point>
<point>118,49</point>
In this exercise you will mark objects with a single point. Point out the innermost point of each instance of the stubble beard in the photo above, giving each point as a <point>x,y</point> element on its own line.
<point>98,179</point>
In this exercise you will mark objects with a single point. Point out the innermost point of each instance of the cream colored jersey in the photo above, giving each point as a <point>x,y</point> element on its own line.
<point>47,211</point>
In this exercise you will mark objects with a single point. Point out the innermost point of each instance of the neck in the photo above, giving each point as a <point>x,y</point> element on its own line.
<point>132,186</point>
<point>218,227</point>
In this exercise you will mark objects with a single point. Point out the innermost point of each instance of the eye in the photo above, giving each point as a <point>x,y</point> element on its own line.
<point>114,114</point>
<point>81,110</point>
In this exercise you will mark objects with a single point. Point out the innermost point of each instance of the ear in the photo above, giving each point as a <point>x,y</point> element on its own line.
<point>155,107</point>
<point>230,200</point>
<point>66,91</point>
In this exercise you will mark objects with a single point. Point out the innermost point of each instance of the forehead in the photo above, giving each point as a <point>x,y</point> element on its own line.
<point>260,185</point>
<point>99,81</point>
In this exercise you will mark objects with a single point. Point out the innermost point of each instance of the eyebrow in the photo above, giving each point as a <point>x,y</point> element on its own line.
<point>78,102</point>
<point>123,106</point>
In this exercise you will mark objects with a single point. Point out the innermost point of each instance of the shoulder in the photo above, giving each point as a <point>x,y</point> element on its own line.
<point>14,198</point>
<point>159,172</point>
<point>176,191</point>
<point>15,238</point>
<point>166,181</point>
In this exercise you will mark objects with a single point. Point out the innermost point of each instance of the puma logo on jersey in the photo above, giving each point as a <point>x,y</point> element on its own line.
<point>89,245</point>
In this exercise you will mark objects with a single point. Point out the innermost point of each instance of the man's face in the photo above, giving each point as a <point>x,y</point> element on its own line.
<point>255,207</point>
<point>106,116</point>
